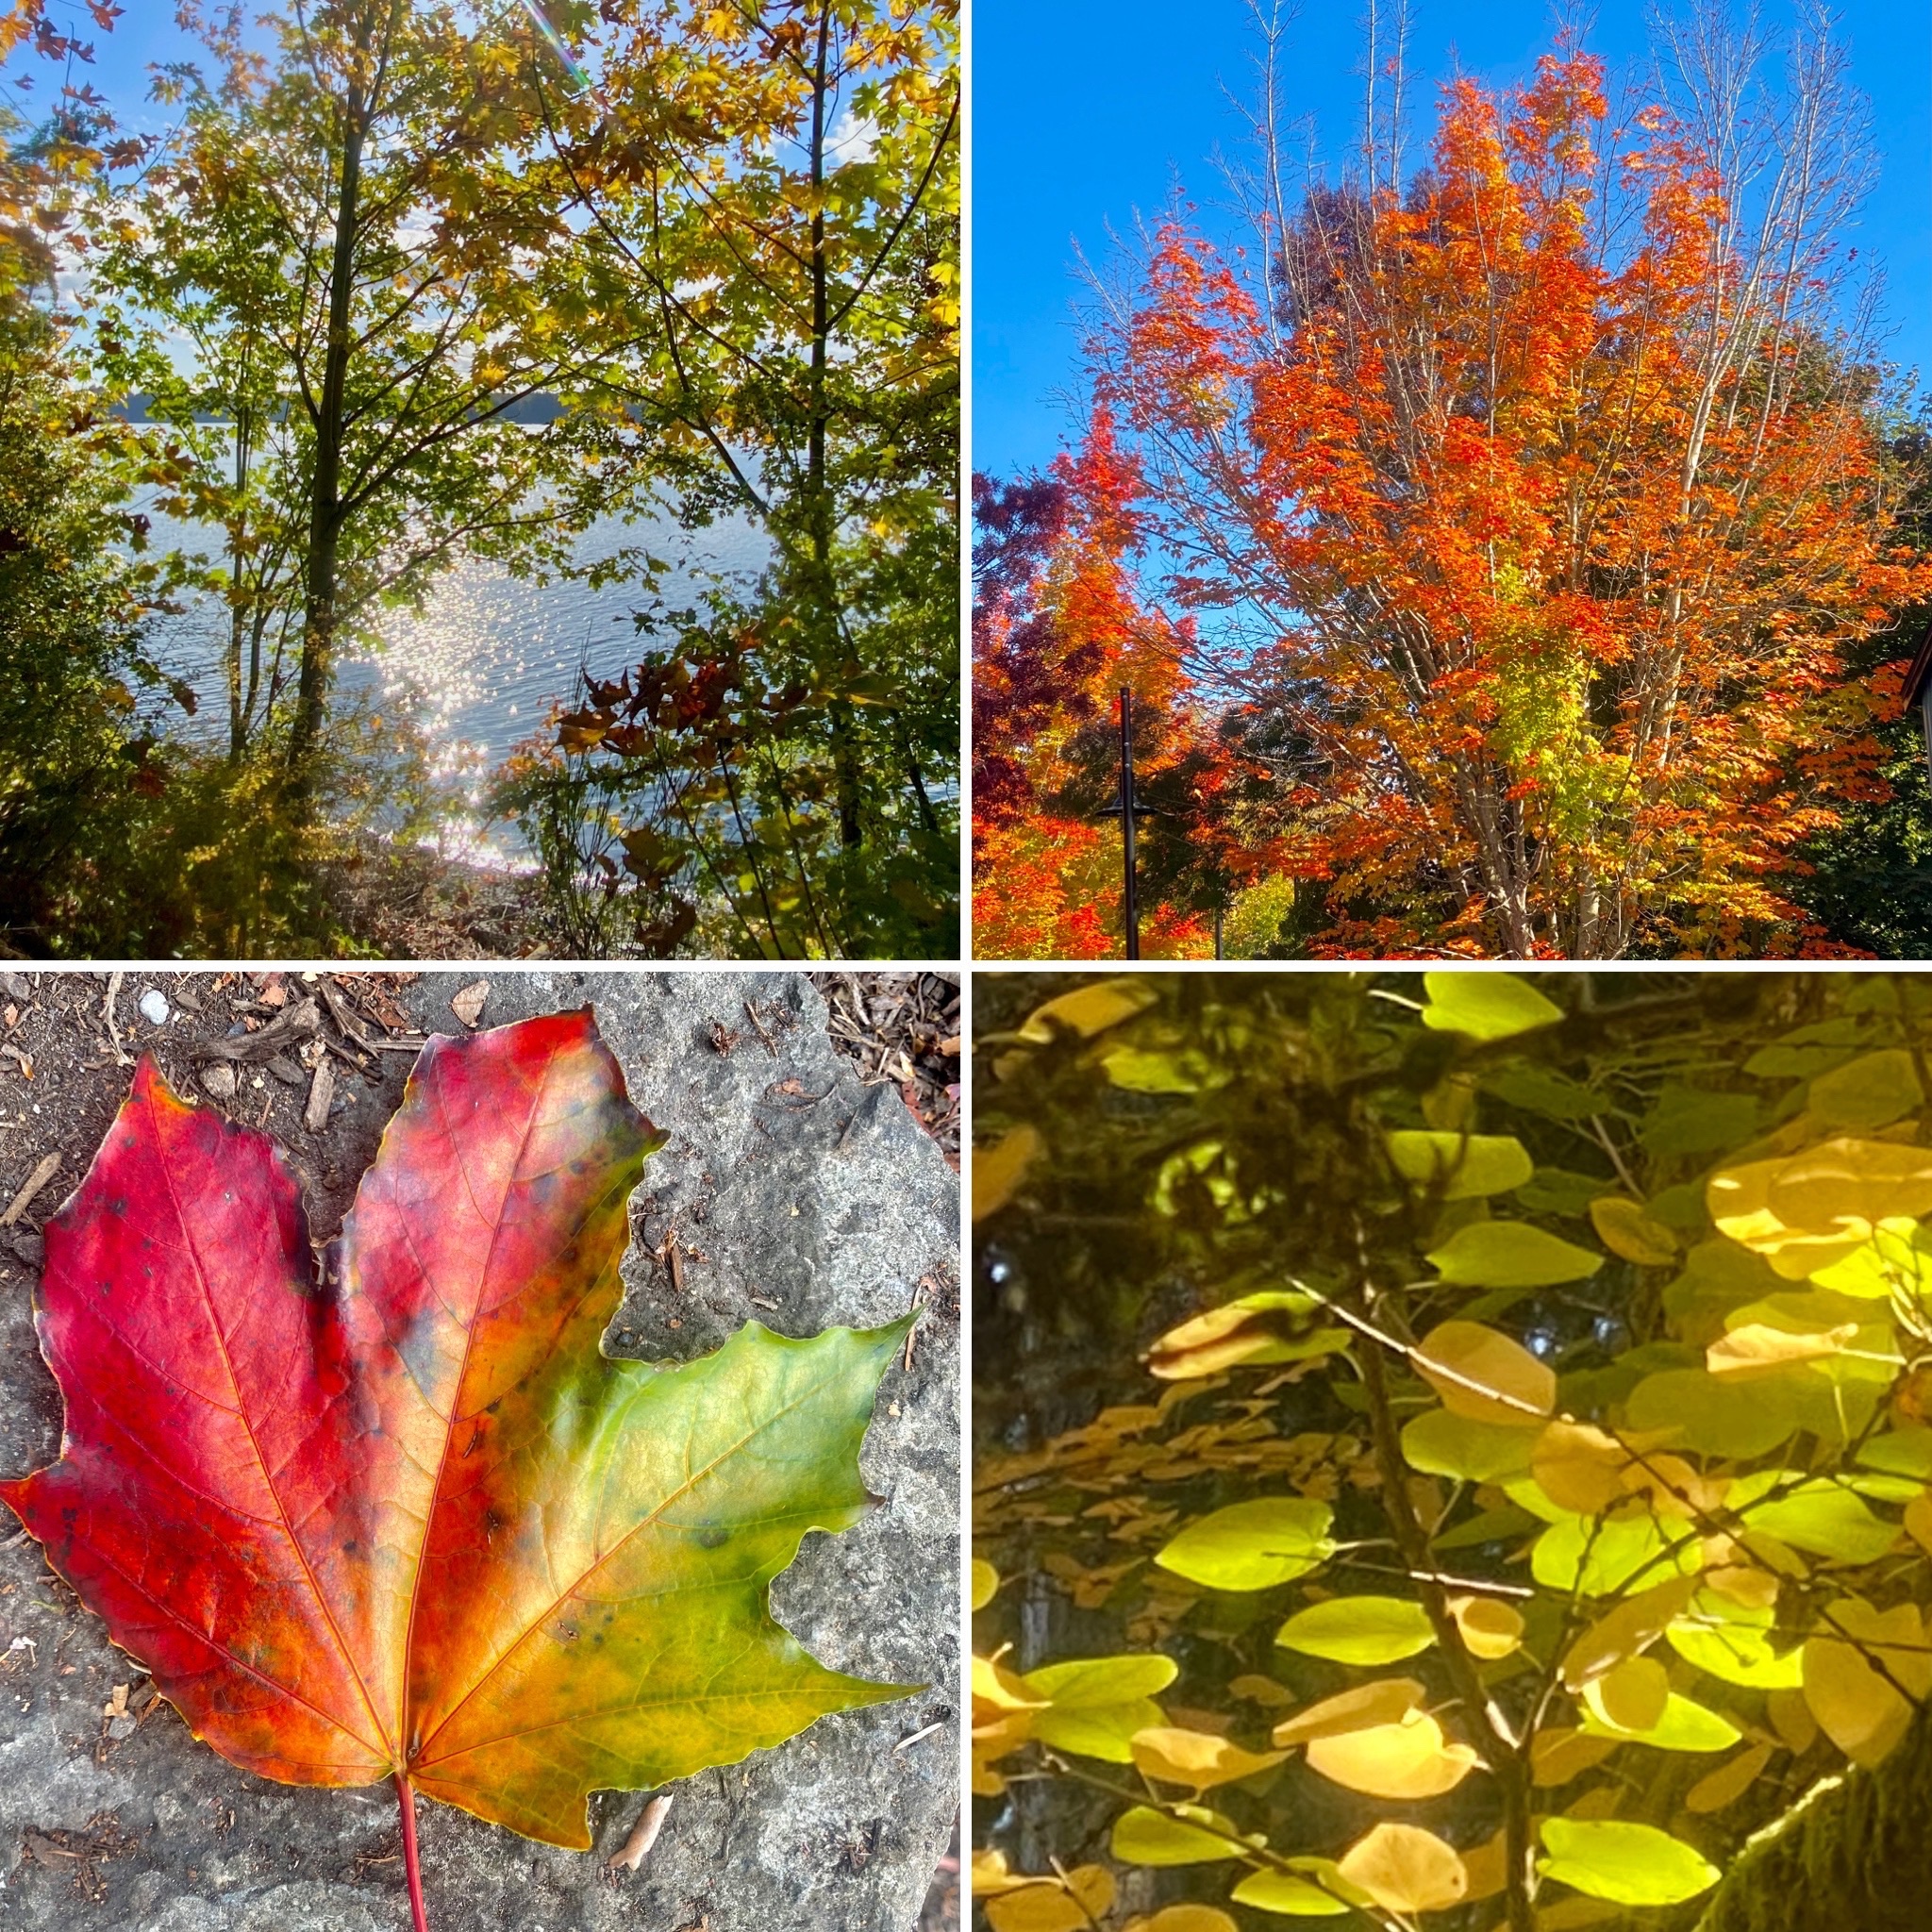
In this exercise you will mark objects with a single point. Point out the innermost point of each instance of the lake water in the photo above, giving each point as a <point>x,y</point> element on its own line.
<point>479,668</point>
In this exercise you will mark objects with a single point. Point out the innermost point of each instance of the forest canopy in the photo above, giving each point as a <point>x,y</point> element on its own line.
<point>1453,1448</point>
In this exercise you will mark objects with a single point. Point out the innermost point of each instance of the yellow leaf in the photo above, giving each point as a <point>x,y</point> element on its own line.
<point>1197,1758</point>
<point>1407,1869</point>
<point>1805,1212</point>
<point>1579,1467</point>
<point>1729,1781</point>
<point>1087,1010</point>
<point>1632,1696</point>
<point>1625,1229</point>
<point>997,1171</point>
<point>1484,1377</point>
<point>1861,1710</point>
<point>1631,1627</point>
<point>1047,1905</point>
<point>996,1688</point>
<point>1183,1919</point>
<point>1409,1759</point>
<point>1758,1349</point>
<point>1791,1717</point>
<point>1919,1520</point>
<point>1559,1755</point>
<point>986,1581</point>
<point>1491,1628</point>
<point>1386,1701</point>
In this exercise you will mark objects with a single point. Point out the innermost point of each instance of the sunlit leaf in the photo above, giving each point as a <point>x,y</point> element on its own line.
<point>1359,1631</point>
<point>1408,1759</point>
<point>986,1583</point>
<point>1183,1919</point>
<point>1293,1897</point>
<point>1168,1754</point>
<point>1441,1443</point>
<point>1736,1653</point>
<point>1276,1326</point>
<point>1386,1701</point>
<point>1484,1377</point>
<point>1089,1010</point>
<point>1491,1628</point>
<point>1749,1351</point>
<point>1049,1905</point>
<point>1095,1704</point>
<point>1143,1836</point>
<point>1864,1668</point>
<point>1629,1864</point>
<point>1459,1167</point>
<point>1682,1724</point>
<point>1406,1868</point>
<point>1485,1006</point>
<point>1252,1545</point>
<point>1805,1212</point>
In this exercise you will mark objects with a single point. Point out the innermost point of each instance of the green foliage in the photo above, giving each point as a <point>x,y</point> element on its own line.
<point>1637,1491</point>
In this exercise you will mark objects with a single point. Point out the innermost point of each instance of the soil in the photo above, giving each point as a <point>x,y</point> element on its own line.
<point>789,1193</point>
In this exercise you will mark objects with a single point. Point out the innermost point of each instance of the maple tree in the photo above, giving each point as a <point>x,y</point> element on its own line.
<point>1534,1528</point>
<point>1537,502</point>
<point>408,1522</point>
<point>1058,631</point>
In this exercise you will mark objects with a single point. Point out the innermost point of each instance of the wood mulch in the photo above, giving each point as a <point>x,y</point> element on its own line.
<point>902,1030</point>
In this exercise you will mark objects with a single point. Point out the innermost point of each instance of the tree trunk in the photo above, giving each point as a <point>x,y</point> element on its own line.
<point>824,588</point>
<point>326,508</point>
<point>1854,1855</point>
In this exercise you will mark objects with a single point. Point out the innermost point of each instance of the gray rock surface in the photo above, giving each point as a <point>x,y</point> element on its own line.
<point>793,1195</point>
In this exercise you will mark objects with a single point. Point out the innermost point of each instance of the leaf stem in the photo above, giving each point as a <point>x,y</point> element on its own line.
<point>405,1794</point>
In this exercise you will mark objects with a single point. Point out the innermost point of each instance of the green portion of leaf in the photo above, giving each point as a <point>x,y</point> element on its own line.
<point>1736,1653</point>
<point>1716,1416</point>
<point>1597,1556</point>
<point>1896,1260</point>
<point>1087,1683</point>
<point>1359,1631</point>
<point>1293,1897</point>
<point>1688,1119</point>
<point>1503,1525</point>
<point>1685,1725</point>
<point>1485,1006</point>
<point>1460,1167</point>
<point>1820,1518</point>
<point>1439,1444</point>
<point>1900,1451</point>
<point>1252,1545</point>
<point>1870,1091</point>
<point>1546,1092</point>
<point>1105,1731</point>
<point>1628,1864</point>
<point>1559,1190</point>
<point>1143,1836</point>
<point>1510,1254</point>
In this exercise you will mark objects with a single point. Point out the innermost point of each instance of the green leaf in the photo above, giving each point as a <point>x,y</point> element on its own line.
<point>1714,1416</point>
<point>1095,1704</point>
<point>1900,1451</point>
<point>1143,1836</point>
<point>1140,1070</point>
<point>1461,1167</point>
<point>1300,1898</point>
<point>1736,1653</point>
<point>1510,1254</point>
<point>1598,1555</point>
<point>1485,1006</point>
<point>1873,1091</point>
<point>1687,1119</point>
<point>1561,1191</point>
<point>1897,1259</point>
<point>1628,1864</point>
<point>1545,1091</point>
<point>1440,1444</point>
<point>1685,1725</point>
<point>1818,1517</point>
<point>1253,1546</point>
<point>1359,1630</point>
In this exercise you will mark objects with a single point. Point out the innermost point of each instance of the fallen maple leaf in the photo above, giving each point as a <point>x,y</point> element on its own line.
<point>408,1521</point>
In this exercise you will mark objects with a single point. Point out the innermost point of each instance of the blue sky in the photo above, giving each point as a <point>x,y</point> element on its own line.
<point>1088,112</point>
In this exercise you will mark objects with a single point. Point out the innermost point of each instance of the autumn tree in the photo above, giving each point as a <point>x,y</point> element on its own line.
<point>1529,1527</point>
<point>1537,485</point>
<point>769,195</point>
<point>1059,631</point>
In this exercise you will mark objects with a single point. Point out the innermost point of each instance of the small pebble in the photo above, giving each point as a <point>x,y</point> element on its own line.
<point>154,1007</point>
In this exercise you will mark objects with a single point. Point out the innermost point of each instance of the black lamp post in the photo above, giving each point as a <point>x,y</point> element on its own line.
<point>1127,810</point>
